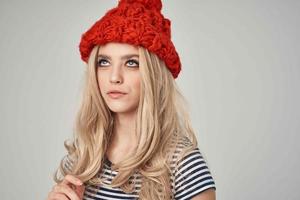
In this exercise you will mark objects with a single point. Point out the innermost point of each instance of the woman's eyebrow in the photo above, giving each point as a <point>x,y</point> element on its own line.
<point>123,57</point>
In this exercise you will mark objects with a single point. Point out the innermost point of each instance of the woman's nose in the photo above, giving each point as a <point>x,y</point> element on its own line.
<point>116,75</point>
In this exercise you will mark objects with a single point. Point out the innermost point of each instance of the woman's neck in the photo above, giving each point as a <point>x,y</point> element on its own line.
<point>123,140</point>
<point>124,127</point>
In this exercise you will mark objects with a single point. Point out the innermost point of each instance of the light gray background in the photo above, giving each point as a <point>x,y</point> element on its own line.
<point>240,76</point>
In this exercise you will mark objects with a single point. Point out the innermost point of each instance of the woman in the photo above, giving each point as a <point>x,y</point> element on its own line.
<point>133,137</point>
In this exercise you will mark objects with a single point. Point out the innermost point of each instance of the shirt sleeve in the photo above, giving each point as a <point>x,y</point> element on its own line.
<point>192,176</point>
<point>67,163</point>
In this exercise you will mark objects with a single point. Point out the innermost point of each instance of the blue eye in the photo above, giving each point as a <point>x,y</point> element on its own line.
<point>130,63</point>
<point>100,62</point>
<point>134,62</point>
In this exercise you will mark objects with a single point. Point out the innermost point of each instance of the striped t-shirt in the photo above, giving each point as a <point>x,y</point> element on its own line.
<point>191,177</point>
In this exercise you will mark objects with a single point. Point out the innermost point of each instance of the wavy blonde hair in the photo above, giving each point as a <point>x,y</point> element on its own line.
<point>162,119</point>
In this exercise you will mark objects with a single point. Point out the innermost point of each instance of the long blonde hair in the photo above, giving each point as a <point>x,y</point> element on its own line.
<point>162,119</point>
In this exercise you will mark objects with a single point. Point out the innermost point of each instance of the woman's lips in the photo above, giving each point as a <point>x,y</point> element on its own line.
<point>115,95</point>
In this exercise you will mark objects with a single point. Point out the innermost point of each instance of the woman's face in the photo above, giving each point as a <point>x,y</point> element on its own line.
<point>118,69</point>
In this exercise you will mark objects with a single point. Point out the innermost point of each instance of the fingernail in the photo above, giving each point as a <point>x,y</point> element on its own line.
<point>79,182</point>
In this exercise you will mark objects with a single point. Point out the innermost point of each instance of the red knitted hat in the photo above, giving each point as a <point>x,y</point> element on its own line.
<point>137,22</point>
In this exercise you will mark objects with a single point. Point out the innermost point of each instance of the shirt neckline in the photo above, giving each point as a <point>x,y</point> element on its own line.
<point>108,161</point>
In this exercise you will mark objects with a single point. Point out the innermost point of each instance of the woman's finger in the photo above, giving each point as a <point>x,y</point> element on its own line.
<point>57,196</point>
<point>71,188</point>
<point>80,191</point>
<point>71,179</point>
<point>66,190</point>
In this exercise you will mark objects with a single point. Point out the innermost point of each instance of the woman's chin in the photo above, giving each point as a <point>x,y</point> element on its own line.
<point>121,109</point>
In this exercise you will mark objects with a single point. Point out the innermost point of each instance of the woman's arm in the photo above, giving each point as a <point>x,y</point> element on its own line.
<point>209,194</point>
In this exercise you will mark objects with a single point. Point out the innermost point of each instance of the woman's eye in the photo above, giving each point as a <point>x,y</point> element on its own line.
<point>133,63</point>
<point>102,62</point>
<point>130,63</point>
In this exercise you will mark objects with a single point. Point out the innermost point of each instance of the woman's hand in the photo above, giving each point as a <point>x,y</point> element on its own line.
<point>71,188</point>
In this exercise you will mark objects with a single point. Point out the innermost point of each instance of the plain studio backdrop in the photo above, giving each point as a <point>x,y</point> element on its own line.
<point>240,75</point>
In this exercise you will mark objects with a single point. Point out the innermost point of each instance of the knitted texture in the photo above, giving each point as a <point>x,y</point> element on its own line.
<point>136,22</point>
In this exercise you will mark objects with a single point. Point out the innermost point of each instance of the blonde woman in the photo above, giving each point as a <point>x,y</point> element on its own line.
<point>133,137</point>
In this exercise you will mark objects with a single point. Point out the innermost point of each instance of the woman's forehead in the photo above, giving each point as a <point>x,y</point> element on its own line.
<point>114,48</point>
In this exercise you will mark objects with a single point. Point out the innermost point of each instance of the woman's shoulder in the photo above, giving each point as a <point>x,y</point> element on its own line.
<point>68,163</point>
<point>190,172</point>
<point>182,145</point>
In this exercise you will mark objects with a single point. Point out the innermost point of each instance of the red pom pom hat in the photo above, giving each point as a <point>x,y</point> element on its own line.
<point>136,22</point>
